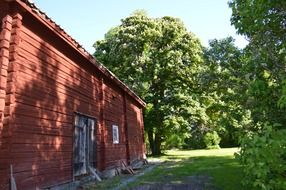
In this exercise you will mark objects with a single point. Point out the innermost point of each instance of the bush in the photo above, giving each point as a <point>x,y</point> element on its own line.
<point>264,156</point>
<point>212,140</point>
<point>174,141</point>
<point>196,140</point>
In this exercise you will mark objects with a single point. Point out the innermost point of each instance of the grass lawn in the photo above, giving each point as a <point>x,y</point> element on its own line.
<point>178,165</point>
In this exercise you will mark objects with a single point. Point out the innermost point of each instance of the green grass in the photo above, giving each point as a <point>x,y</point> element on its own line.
<point>219,164</point>
<point>178,165</point>
<point>105,184</point>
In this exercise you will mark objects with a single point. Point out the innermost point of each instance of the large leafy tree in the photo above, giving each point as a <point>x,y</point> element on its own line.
<point>263,149</point>
<point>263,22</point>
<point>160,60</point>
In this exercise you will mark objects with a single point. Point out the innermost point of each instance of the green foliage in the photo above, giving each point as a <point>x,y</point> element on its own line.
<point>263,145</point>
<point>259,18</point>
<point>212,140</point>
<point>174,141</point>
<point>263,154</point>
<point>196,139</point>
<point>263,22</point>
<point>224,85</point>
<point>160,60</point>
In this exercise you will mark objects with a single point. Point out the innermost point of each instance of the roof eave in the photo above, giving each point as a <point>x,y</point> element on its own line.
<point>77,47</point>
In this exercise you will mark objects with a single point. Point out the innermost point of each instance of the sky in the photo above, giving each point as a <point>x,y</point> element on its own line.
<point>88,20</point>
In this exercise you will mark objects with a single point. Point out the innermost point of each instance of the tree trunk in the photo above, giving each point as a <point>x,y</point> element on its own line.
<point>151,139</point>
<point>157,145</point>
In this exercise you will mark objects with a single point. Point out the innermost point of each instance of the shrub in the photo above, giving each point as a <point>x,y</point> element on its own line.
<point>264,156</point>
<point>195,140</point>
<point>174,141</point>
<point>212,140</point>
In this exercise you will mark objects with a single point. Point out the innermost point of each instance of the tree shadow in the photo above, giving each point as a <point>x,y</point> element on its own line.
<point>52,83</point>
<point>42,131</point>
<point>225,172</point>
<point>135,130</point>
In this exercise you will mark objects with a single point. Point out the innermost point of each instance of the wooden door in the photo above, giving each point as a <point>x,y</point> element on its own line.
<point>84,145</point>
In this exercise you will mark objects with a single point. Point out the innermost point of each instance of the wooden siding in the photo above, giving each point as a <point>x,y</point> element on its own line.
<point>114,115</point>
<point>135,130</point>
<point>50,85</point>
<point>5,37</point>
<point>47,81</point>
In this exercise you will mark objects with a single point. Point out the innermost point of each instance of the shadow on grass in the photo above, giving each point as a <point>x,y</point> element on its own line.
<point>217,167</point>
<point>225,171</point>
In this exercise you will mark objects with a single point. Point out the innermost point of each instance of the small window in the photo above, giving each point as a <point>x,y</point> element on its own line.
<point>115,134</point>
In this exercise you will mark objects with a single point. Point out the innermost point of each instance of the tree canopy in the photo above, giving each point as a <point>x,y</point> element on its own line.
<point>200,97</point>
<point>160,60</point>
<point>263,145</point>
<point>225,83</point>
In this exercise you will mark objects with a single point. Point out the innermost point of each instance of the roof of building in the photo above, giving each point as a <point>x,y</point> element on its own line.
<point>45,19</point>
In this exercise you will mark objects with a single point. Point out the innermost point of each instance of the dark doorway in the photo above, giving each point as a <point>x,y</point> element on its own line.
<point>84,147</point>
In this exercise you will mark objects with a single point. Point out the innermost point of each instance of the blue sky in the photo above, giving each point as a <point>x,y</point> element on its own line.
<point>88,20</point>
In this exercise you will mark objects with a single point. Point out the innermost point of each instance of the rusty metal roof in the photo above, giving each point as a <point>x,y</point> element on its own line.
<point>31,7</point>
<point>44,16</point>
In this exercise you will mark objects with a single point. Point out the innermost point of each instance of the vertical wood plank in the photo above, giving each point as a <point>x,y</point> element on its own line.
<point>92,143</point>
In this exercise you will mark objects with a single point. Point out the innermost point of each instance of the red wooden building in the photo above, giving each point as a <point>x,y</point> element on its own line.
<point>62,112</point>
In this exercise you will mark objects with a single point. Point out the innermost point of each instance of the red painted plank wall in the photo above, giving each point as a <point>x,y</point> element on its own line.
<point>114,115</point>
<point>135,130</point>
<point>47,81</point>
<point>5,33</point>
<point>51,84</point>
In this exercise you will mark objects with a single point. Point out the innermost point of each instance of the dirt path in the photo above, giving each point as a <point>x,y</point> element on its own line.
<point>194,182</point>
<point>125,182</point>
<point>191,183</point>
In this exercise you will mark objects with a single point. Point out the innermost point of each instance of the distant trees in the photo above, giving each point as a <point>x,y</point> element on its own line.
<point>222,92</point>
<point>225,84</point>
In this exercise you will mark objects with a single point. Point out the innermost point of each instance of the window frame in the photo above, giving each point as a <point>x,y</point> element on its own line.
<point>115,134</point>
